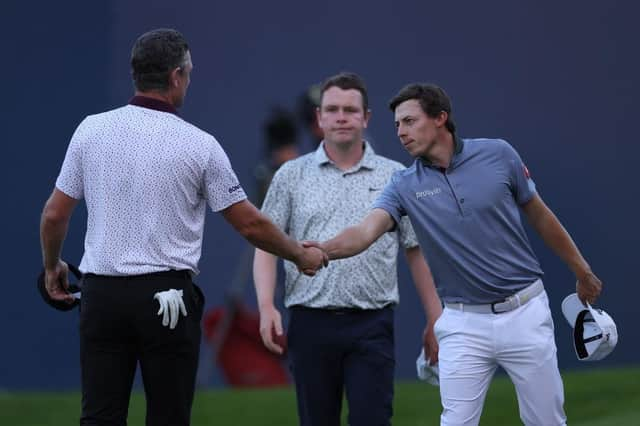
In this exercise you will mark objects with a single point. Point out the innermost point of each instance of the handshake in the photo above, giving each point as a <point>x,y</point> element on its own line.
<point>311,257</point>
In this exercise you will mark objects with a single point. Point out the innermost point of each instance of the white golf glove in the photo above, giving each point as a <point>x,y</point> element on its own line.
<point>171,305</point>
<point>426,372</point>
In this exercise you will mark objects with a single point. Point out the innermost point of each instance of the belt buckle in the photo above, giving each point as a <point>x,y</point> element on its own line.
<point>493,307</point>
<point>508,300</point>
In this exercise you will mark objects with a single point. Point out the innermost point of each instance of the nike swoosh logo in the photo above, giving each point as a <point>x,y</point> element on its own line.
<point>374,189</point>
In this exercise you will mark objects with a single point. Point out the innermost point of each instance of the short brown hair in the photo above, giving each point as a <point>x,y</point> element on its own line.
<point>433,100</point>
<point>345,81</point>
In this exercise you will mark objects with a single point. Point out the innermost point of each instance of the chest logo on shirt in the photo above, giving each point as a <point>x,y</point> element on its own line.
<point>428,193</point>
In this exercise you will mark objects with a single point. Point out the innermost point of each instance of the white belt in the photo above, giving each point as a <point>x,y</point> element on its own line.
<point>508,304</point>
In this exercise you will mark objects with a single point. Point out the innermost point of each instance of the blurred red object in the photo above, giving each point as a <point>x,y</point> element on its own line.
<point>238,350</point>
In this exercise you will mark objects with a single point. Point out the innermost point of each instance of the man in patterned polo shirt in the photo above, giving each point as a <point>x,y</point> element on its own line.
<point>147,176</point>
<point>464,197</point>
<point>341,321</point>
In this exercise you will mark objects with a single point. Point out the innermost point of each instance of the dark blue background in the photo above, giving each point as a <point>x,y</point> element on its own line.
<point>559,81</point>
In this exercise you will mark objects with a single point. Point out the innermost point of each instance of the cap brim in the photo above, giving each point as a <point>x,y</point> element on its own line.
<point>607,325</point>
<point>571,307</point>
<point>602,318</point>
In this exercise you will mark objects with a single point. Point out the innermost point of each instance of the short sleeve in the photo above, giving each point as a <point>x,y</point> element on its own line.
<point>221,185</point>
<point>389,201</point>
<point>522,186</point>
<point>408,237</point>
<point>277,202</point>
<point>71,177</point>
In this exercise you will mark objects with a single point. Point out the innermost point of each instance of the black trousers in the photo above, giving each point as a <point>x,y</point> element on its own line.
<point>119,328</point>
<point>335,350</point>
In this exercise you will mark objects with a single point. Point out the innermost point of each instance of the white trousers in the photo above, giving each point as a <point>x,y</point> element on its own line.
<point>473,345</point>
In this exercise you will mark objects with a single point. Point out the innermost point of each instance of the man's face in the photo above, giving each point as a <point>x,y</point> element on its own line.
<point>183,79</point>
<point>416,130</point>
<point>341,116</point>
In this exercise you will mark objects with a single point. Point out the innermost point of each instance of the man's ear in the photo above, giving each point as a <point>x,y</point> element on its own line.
<point>174,77</point>
<point>367,117</point>
<point>442,118</point>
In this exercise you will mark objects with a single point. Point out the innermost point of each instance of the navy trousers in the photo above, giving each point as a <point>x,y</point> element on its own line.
<point>332,351</point>
<point>119,328</point>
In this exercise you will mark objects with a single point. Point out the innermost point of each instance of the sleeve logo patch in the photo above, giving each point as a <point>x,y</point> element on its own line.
<point>526,172</point>
<point>234,189</point>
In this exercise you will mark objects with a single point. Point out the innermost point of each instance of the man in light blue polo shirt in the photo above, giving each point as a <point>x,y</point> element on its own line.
<point>463,197</point>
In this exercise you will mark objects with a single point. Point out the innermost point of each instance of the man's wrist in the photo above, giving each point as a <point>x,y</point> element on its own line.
<point>327,247</point>
<point>431,320</point>
<point>582,272</point>
<point>50,265</point>
<point>297,253</point>
<point>266,306</point>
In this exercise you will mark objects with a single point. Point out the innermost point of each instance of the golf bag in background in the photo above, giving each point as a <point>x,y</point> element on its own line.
<point>241,356</point>
<point>233,341</point>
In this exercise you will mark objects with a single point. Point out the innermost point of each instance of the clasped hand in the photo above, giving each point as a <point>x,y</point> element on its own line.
<point>312,258</point>
<point>171,305</point>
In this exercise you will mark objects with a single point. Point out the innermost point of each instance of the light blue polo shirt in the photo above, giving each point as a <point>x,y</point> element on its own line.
<point>467,220</point>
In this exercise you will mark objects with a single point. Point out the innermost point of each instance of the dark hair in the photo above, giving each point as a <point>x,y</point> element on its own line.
<point>433,100</point>
<point>307,103</point>
<point>280,129</point>
<point>154,55</point>
<point>346,81</point>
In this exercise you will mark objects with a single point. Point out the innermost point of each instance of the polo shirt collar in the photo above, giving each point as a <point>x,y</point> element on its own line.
<point>458,146</point>
<point>151,103</point>
<point>367,161</point>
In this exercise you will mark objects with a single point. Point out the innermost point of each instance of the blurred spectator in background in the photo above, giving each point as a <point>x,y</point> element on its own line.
<point>308,103</point>
<point>232,330</point>
<point>281,140</point>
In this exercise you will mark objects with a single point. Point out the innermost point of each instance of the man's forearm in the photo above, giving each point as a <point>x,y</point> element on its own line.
<point>558,239</point>
<point>266,236</point>
<point>52,234</point>
<point>264,277</point>
<point>54,223</point>
<point>349,242</point>
<point>260,231</point>
<point>425,286</point>
<point>356,239</point>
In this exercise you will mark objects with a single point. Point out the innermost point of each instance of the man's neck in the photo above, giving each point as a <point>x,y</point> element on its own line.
<point>344,155</point>
<point>164,97</point>
<point>442,151</point>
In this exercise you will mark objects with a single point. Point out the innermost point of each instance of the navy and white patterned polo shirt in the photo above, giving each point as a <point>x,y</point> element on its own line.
<point>146,176</point>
